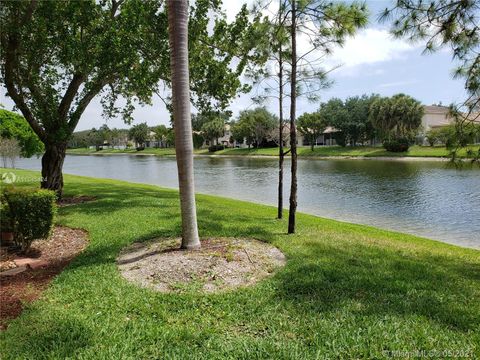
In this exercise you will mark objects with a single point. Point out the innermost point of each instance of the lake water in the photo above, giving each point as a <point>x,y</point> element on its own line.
<point>417,197</point>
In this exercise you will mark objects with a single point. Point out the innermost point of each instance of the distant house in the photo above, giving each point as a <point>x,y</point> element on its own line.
<point>435,116</point>
<point>326,139</point>
<point>152,142</point>
<point>225,140</point>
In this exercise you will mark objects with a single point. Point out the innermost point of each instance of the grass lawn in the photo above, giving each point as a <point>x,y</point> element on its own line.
<point>303,151</point>
<point>147,151</point>
<point>347,291</point>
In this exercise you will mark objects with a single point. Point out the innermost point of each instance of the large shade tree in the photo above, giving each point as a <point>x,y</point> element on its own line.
<point>358,126</point>
<point>56,56</point>
<point>254,126</point>
<point>350,118</point>
<point>311,125</point>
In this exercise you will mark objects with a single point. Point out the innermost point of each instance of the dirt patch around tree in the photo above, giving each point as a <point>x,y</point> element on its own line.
<point>221,264</point>
<point>24,277</point>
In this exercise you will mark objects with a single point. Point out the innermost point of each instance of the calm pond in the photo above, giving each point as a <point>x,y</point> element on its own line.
<point>417,197</point>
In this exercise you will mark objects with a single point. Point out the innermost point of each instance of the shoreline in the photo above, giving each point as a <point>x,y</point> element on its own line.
<point>313,157</point>
<point>304,212</point>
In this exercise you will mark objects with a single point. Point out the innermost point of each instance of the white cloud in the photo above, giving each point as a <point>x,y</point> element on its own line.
<point>370,46</point>
<point>396,84</point>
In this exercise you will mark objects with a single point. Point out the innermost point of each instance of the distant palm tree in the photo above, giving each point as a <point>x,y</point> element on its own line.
<point>178,35</point>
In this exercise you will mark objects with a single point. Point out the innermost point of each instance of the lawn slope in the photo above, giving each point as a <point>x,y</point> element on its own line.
<point>303,151</point>
<point>347,291</point>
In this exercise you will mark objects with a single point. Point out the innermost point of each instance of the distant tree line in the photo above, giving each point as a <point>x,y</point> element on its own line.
<point>393,120</point>
<point>136,136</point>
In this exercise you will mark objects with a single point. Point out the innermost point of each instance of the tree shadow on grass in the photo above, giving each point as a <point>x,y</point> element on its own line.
<point>383,282</point>
<point>53,337</point>
<point>111,199</point>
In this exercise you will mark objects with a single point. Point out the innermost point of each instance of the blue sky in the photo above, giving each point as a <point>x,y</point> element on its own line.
<point>372,62</point>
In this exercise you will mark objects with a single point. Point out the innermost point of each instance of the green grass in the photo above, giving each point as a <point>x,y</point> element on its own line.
<point>347,291</point>
<point>147,151</point>
<point>304,151</point>
<point>366,151</point>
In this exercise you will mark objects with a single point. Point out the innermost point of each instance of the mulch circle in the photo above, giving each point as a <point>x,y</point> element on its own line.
<point>221,264</point>
<point>23,277</point>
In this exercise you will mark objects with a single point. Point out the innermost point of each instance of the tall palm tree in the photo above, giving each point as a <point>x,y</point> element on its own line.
<point>178,36</point>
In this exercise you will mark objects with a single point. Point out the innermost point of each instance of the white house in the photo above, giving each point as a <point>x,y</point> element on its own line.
<point>435,116</point>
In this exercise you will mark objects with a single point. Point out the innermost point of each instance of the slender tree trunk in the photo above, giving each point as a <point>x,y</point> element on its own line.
<point>281,155</point>
<point>293,131</point>
<point>52,164</point>
<point>178,35</point>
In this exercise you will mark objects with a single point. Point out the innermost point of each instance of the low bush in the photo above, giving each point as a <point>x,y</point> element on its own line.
<point>6,224</point>
<point>32,213</point>
<point>197,140</point>
<point>396,145</point>
<point>433,136</point>
<point>214,148</point>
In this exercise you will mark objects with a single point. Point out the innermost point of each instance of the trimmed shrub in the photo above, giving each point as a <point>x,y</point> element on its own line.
<point>340,138</point>
<point>197,140</point>
<point>32,213</point>
<point>214,148</point>
<point>6,224</point>
<point>396,145</point>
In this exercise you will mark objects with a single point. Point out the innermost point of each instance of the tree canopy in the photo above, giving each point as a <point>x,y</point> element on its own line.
<point>139,133</point>
<point>311,125</point>
<point>254,126</point>
<point>398,116</point>
<point>213,129</point>
<point>58,55</point>
<point>14,126</point>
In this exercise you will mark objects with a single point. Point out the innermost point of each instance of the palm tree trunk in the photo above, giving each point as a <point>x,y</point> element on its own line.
<point>178,35</point>
<point>293,131</point>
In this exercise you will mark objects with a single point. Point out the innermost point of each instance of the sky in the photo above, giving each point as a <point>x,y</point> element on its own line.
<point>371,62</point>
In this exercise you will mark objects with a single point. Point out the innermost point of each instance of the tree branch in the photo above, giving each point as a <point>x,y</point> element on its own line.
<point>85,100</point>
<point>70,93</point>
<point>12,43</point>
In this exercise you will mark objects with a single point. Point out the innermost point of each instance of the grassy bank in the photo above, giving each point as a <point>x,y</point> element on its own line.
<point>320,151</point>
<point>147,151</point>
<point>347,291</point>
